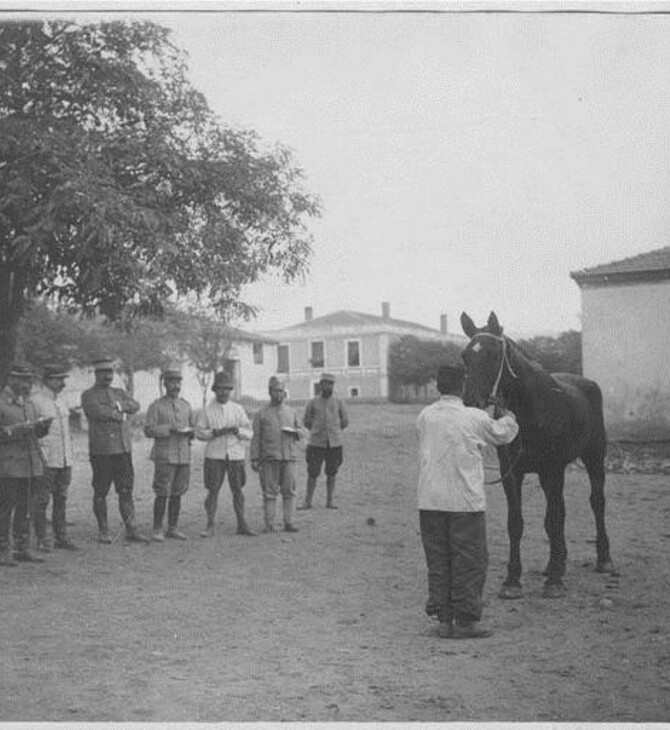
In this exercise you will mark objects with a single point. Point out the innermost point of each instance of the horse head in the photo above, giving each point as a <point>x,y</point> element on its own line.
<point>485,358</point>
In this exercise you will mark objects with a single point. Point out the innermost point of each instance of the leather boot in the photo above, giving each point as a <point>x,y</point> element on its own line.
<point>330,491</point>
<point>309,494</point>
<point>100,512</point>
<point>287,513</point>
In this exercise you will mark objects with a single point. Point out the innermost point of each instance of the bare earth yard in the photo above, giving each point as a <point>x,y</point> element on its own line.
<point>328,624</point>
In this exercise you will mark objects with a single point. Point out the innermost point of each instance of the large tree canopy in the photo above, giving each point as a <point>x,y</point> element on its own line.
<point>119,188</point>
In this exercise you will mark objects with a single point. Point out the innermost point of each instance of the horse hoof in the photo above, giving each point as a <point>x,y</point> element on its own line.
<point>554,590</point>
<point>510,593</point>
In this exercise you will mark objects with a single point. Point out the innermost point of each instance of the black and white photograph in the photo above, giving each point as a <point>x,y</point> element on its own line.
<point>334,362</point>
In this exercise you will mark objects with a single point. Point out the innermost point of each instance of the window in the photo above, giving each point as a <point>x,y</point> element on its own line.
<point>354,392</point>
<point>318,358</point>
<point>282,358</point>
<point>354,354</point>
<point>258,353</point>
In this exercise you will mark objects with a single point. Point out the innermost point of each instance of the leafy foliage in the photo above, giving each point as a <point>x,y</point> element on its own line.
<point>119,188</point>
<point>562,354</point>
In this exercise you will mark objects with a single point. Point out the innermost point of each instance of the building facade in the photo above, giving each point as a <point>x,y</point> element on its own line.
<point>351,345</point>
<point>626,342</point>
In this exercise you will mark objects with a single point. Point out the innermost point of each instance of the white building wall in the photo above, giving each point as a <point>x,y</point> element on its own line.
<point>626,350</point>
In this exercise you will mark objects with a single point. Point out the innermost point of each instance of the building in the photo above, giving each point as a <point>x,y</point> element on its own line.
<point>351,345</point>
<point>626,342</point>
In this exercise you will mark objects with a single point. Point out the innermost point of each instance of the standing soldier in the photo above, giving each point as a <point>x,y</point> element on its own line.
<point>276,430</point>
<point>21,465</point>
<point>226,428</point>
<point>110,449</point>
<point>170,422</point>
<point>58,457</point>
<point>326,418</point>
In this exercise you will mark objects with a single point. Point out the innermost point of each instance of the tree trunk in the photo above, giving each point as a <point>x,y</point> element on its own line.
<point>12,301</point>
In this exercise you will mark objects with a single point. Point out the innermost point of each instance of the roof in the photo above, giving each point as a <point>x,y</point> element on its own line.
<point>354,321</point>
<point>243,336</point>
<point>650,266</point>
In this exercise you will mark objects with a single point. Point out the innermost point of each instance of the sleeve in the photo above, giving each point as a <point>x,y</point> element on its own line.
<point>202,430</point>
<point>152,428</point>
<point>344,416</point>
<point>254,449</point>
<point>301,431</point>
<point>244,425</point>
<point>97,410</point>
<point>308,417</point>
<point>500,431</point>
<point>128,404</point>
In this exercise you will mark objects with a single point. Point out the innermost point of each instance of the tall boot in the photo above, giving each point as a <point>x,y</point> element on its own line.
<point>159,514</point>
<point>287,510</point>
<point>309,493</point>
<point>269,512</point>
<point>127,510</point>
<point>330,491</point>
<point>100,512</point>
<point>58,519</point>
<point>174,506</point>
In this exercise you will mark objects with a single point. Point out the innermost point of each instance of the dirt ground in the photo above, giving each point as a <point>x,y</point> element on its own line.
<point>328,624</point>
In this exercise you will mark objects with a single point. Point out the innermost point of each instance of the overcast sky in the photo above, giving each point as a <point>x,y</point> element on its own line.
<point>465,161</point>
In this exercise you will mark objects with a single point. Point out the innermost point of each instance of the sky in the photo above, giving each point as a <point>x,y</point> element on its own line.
<point>464,161</point>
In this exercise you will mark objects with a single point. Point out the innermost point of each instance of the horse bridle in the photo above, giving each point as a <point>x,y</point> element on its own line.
<point>504,361</point>
<point>493,397</point>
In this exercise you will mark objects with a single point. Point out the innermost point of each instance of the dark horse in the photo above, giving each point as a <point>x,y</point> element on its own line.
<point>560,419</point>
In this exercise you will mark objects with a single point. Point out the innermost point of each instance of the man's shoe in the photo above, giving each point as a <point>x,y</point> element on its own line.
<point>104,538</point>
<point>8,561</point>
<point>174,534</point>
<point>208,531</point>
<point>446,630</point>
<point>135,536</point>
<point>44,547</point>
<point>65,545</point>
<point>245,531</point>
<point>331,506</point>
<point>304,505</point>
<point>470,631</point>
<point>158,536</point>
<point>23,556</point>
<point>290,528</point>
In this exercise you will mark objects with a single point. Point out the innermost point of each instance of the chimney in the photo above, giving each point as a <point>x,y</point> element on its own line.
<point>386,310</point>
<point>443,324</point>
<point>309,313</point>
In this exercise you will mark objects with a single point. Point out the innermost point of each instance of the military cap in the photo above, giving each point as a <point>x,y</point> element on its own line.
<point>223,380</point>
<point>103,363</point>
<point>172,371</point>
<point>20,371</point>
<point>53,370</point>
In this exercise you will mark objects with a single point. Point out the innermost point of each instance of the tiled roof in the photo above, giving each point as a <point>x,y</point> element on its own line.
<point>243,336</point>
<point>347,318</point>
<point>652,262</point>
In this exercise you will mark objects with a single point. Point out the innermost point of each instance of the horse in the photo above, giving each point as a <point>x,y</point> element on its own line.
<point>560,418</point>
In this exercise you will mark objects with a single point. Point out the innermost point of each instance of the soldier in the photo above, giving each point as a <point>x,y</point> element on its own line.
<point>21,464</point>
<point>170,422</point>
<point>57,449</point>
<point>226,428</point>
<point>110,449</point>
<point>276,431</point>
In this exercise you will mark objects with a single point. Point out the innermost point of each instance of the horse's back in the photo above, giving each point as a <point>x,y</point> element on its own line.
<point>586,401</point>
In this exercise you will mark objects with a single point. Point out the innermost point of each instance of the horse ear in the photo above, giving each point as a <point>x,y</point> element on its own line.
<point>493,325</point>
<point>468,325</point>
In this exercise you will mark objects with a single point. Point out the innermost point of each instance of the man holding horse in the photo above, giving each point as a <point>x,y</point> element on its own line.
<point>452,503</point>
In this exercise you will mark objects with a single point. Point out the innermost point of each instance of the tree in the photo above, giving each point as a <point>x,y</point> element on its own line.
<point>562,354</point>
<point>120,188</point>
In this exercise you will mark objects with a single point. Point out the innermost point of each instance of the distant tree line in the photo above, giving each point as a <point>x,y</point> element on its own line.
<point>413,362</point>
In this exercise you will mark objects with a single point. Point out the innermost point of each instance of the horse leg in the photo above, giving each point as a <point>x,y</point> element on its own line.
<point>511,588</point>
<point>554,525</point>
<point>594,461</point>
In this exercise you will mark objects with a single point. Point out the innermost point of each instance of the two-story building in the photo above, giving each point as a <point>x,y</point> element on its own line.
<point>351,345</point>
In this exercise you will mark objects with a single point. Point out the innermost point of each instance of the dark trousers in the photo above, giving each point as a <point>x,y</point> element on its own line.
<point>457,561</point>
<point>214,473</point>
<point>54,485</point>
<point>116,469</point>
<point>15,495</point>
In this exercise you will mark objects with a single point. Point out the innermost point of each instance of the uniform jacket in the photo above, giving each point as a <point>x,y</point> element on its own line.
<point>57,444</point>
<point>269,442</point>
<point>224,415</point>
<point>107,411</point>
<point>20,454</point>
<point>325,418</point>
<point>164,415</point>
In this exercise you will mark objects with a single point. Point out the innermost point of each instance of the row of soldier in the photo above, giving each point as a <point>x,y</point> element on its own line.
<point>36,455</point>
